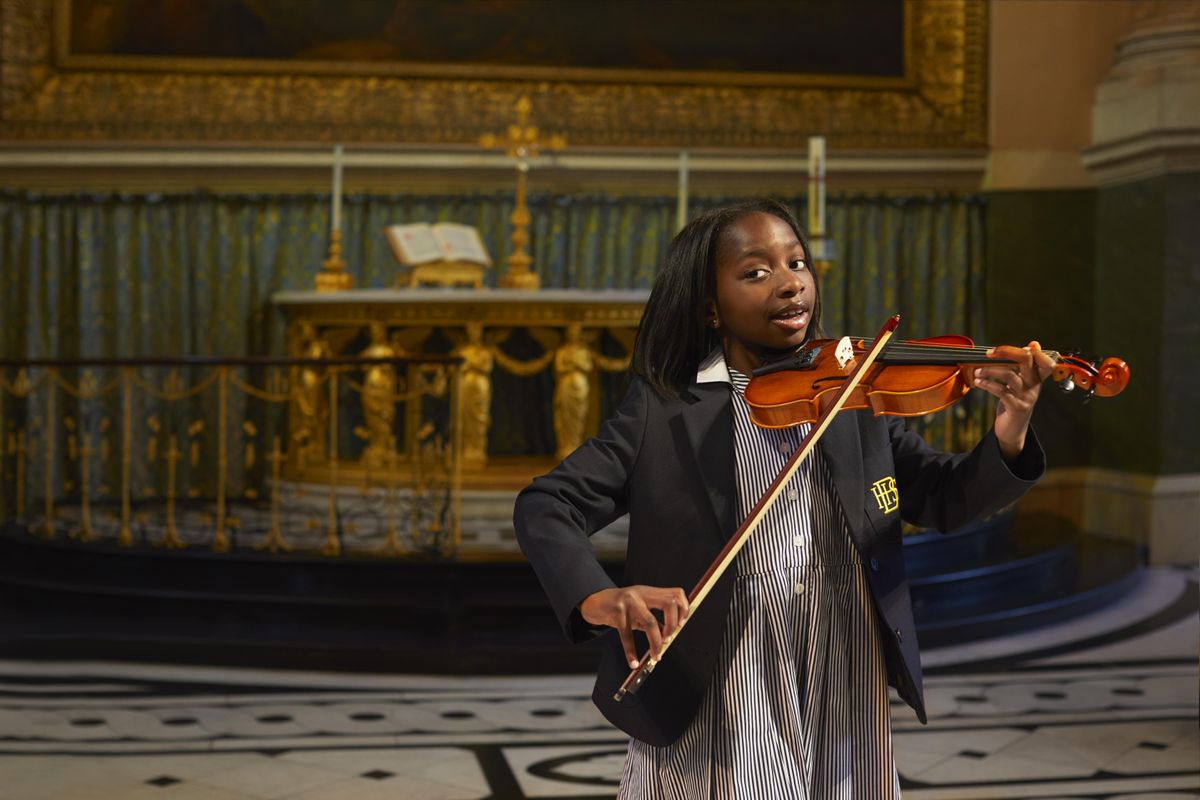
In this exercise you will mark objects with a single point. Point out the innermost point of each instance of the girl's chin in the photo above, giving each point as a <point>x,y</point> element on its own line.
<point>777,350</point>
<point>766,348</point>
<point>788,342</point>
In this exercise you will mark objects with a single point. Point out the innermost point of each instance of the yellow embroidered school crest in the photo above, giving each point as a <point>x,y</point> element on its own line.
<point>886,494</point>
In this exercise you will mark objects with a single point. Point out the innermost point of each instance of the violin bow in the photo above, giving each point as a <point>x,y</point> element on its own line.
<point>739,538</point>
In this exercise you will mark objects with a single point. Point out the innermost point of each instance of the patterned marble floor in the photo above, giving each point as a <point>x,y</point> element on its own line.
<point>1101,707</point>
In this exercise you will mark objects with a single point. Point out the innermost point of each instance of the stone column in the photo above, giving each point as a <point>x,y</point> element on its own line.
<point>1145,161</point>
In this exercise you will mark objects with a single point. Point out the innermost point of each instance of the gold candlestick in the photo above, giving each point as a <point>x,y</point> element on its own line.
<point>521,141</point>
<point>823,254</point>
<point>333,276</point>
<point>819,243</point>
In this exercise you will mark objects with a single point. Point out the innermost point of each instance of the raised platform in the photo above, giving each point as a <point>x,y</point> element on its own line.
<point>481,612</point>
<point>63,599</point>
<point>1006,575</point>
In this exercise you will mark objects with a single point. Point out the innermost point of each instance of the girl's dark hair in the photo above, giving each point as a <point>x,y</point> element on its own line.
<point>673,337</point>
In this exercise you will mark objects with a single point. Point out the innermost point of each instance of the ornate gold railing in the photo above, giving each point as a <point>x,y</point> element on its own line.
<point>341,456</point>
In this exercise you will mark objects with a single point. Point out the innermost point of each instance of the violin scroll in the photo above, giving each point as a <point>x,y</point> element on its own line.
<point>1105,379</point>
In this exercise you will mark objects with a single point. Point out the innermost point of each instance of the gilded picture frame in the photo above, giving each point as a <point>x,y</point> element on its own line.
<point>48,93</point>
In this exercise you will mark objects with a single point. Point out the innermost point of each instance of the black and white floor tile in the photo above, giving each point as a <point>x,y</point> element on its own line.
<point>1102,707</point>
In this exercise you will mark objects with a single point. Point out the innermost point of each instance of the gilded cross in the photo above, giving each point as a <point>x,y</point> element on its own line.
<point>523,142</point>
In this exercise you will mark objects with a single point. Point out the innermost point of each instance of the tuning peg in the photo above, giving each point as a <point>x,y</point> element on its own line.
<point>1067,384</point>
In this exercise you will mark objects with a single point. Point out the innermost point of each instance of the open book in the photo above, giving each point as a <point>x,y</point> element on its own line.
<point>421,243</point>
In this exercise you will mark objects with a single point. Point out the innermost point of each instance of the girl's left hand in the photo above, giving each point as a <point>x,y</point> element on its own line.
<point>1017,387</point>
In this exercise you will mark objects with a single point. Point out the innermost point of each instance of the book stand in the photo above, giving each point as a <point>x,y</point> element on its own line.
<point>442,273</point>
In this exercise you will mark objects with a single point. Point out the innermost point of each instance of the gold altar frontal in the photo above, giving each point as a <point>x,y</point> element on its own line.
<point>397,322</point>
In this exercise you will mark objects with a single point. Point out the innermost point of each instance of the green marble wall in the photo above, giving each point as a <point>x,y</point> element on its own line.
<point>1113,271</point>
<point>1148,304</point>
<point>1041,285</point>
<point>1181,326</point>
<point>1130,236</point>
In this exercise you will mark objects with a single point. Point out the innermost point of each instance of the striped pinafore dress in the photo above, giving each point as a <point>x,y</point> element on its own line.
<point>798,703</point>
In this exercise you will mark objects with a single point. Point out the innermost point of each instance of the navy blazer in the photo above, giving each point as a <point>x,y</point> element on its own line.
<point>669,464</point>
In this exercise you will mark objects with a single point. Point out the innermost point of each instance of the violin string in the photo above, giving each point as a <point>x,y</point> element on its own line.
<point>950,353</point>
<point>916,348</point>
<point>946,357</point>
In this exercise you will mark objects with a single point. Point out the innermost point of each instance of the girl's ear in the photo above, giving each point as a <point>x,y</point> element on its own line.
<point>711,319</point>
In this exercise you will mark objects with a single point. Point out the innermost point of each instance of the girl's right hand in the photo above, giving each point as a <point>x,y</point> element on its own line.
<point>630,608</point>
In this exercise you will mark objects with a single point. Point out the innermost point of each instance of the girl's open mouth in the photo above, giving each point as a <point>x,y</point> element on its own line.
<point>794,318</point>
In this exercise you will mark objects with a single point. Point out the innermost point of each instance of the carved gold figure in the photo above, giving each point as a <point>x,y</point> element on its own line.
<point>412,317</point>
<point>573,364</point>
<point>379,399</point>
<point>309,416</point>
<point>475,395</point>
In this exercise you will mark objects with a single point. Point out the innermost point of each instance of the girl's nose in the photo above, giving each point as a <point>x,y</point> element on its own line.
<point>790,284</point>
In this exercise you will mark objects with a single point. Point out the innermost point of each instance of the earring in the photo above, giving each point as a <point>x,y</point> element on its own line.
<point>716,323</point>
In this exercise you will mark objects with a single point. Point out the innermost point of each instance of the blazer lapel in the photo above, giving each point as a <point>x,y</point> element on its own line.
<point>707,426</point>
<point>841,447</point>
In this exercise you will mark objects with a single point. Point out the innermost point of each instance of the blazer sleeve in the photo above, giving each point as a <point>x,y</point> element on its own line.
<point>555,515</point>
<point>945,491</point>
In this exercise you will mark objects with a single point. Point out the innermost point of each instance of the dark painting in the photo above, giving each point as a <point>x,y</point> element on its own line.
<point>864,38</point>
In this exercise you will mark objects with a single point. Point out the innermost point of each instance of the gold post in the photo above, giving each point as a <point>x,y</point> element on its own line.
<point>332,547</point>
<point>275,542</point>
<point>173,455</point>
<point>521,141</point>
<point>391,543</point>
<point>48,525</point>
<point>412,413</point>
<point>86,533</point>
<point>456,459</point>
<point>21,448</point>
<point>221,536</point>
<point>125,538</point>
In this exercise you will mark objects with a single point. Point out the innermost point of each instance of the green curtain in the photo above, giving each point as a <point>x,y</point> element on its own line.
<point>100,275</point>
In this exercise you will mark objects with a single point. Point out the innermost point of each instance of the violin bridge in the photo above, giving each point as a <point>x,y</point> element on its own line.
<point>844,352</point>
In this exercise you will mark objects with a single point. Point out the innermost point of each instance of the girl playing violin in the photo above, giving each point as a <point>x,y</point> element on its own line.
<point>777,686</point>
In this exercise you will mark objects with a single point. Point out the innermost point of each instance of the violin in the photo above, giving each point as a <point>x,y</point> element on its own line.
<point>909,378</point>
<point>905,378</point>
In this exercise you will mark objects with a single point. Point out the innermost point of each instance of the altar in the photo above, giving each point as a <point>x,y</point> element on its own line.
<point>566,325</point>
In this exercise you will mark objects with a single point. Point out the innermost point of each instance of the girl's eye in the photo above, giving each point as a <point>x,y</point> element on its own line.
<point>754,273</point>
<point>799,264</point>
